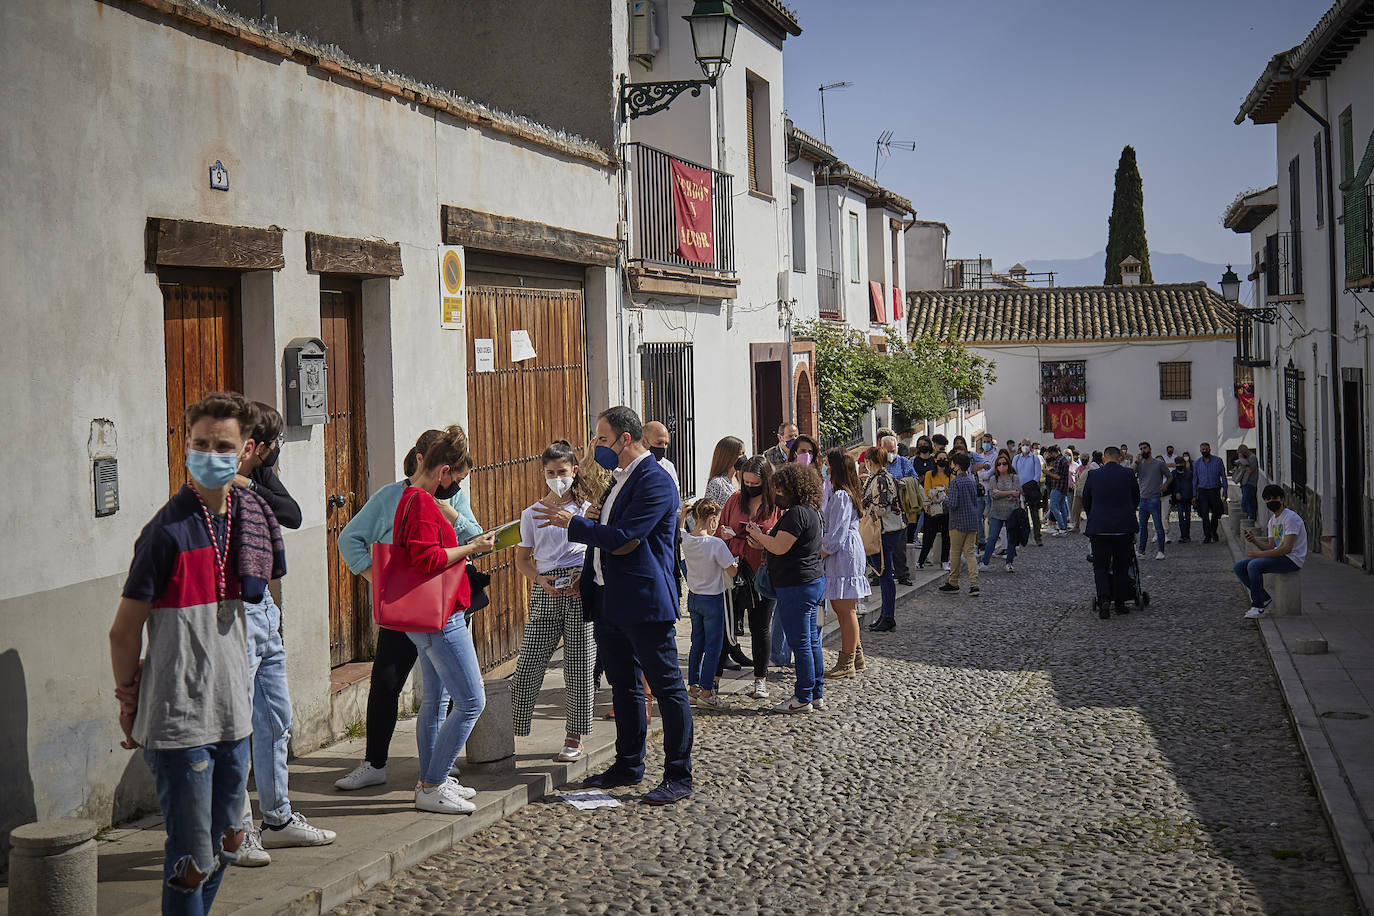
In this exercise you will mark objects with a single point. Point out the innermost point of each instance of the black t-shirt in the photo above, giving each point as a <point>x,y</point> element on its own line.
<point>802,563</point>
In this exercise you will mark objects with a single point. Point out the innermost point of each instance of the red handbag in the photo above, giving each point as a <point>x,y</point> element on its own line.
<point>411,602</point>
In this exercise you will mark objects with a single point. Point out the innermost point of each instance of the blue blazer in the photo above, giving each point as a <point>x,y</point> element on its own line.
<point>641,583</point>
<point>1111,495</point>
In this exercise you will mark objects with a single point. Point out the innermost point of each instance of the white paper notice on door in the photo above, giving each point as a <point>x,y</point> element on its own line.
<point>484,351</point>
<point>521,347</point>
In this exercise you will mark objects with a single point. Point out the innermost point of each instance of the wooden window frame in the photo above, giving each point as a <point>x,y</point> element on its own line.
<point>797,201</point>
<point>1176,380</point>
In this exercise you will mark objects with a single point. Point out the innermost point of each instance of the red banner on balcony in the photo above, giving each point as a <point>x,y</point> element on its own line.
<point>694,212</point>
<point>877,309</point>
<point>1068,421</point>
<point>1245,402</point>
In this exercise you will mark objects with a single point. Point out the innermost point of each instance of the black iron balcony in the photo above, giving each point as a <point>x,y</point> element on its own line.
<point>828,294</point>
<point>1283,265</point>
<point>656,236</point>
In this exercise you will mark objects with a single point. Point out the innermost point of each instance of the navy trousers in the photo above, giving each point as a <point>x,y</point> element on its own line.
<point>626,652</point>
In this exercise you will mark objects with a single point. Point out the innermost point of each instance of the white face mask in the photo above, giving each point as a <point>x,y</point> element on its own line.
<point>559,485</point>
<point>1025,449</point>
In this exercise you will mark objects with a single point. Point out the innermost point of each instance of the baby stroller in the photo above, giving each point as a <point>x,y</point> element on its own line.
<point>1137,595</point>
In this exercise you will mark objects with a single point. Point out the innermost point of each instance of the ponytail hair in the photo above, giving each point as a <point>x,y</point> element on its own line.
<point>450,448</point>
<point>411,464</point>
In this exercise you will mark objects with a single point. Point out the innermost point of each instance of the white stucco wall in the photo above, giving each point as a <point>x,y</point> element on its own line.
<point>1123,394</point>
<point>114,118</point>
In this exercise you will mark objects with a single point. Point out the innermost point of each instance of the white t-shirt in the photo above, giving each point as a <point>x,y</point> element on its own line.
<point>1289,522</point>
<point>707,558</point>
<point>552,549</point>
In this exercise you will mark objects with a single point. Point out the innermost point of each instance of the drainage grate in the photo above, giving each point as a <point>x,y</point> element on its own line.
<point>1344,715</point>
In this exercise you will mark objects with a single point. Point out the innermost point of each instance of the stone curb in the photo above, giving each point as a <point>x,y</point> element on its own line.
<point>346,878</point>
<point>1338,803</point>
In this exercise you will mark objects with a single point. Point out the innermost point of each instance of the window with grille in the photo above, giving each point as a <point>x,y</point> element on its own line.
<point>749,133</point>
<point>1175,381</point>
<point>798,229</point>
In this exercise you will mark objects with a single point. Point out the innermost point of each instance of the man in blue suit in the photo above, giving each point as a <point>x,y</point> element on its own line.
<point>1110,495</point>
<point>629,585</point>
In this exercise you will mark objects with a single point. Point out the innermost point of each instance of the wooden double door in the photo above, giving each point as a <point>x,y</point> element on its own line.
<point>514,412</point>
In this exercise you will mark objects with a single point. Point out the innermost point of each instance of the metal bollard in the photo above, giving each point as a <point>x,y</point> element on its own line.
<point>53,868</point>
<point>493,737</point>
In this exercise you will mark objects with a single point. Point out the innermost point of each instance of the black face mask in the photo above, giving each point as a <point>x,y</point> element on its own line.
<point>271,458</point>
<point>658,451</point>
<point>1274,505</point>
<point>751,492</point>
<point>942,465</point>
<point>447,492</point>
<point>739,462</point>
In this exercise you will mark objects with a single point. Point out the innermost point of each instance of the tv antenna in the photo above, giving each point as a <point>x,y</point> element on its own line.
<point>885,146</point>
<point>842,84</point>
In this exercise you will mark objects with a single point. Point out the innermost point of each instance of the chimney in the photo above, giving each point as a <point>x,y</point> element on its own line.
<point>1130,271</point>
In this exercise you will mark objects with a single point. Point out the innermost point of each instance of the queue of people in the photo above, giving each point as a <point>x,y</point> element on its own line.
<point>774,537</point>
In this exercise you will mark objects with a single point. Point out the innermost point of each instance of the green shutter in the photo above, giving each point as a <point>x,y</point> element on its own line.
<point>1356,191</point>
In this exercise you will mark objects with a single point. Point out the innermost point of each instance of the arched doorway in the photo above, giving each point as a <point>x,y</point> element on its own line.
<point>805,402</point>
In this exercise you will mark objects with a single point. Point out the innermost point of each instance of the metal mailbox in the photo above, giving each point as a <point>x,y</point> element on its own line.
<point>307,393</point>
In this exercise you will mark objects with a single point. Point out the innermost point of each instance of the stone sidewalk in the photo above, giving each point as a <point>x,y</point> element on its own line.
<point>379,831</point>
<point>1330,699</point>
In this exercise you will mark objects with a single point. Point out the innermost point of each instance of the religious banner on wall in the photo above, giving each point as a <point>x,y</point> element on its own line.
<point>1068,421</point>
<point>1064,395</point>
<point>1245,405</point>
<point>694,212</point>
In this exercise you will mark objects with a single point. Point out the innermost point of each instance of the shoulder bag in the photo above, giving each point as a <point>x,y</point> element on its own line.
<point>409,601</point>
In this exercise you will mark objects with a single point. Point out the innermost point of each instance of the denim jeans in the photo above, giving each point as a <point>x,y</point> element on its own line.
<point>1248,502</point>
<point>271,712</point>
<point>887,583</point>
<point>1059,508</point>
<point>708,626</point>
<point>449,662</point>
<point>995,526</point>
<point>1184,508</point>
<point>200,791</point>
<point>1150,508</point>
<point>1251,575</point>
<point>797,609</point>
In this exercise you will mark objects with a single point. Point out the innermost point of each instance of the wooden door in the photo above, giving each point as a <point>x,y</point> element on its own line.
<point>514,412</point>
<point>352,634</point>
<point>201,332</point>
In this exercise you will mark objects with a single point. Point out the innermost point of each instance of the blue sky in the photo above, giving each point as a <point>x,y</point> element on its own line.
<point>1020,109</point>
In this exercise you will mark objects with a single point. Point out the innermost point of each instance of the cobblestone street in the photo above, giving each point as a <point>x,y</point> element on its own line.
<point>1010,753</point>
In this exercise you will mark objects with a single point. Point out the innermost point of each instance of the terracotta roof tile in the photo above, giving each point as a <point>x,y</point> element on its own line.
<point>1070,313</point>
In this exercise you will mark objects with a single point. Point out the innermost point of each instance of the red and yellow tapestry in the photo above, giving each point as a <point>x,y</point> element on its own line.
<point>693,210</point>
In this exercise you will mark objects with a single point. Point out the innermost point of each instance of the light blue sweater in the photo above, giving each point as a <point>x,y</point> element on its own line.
<point>373,522</point>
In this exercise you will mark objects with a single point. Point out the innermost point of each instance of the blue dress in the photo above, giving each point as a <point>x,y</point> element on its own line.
<point>844,549</point>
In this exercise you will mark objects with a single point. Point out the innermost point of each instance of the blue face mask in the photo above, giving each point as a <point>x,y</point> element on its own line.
<point>787,443</point>
<point>607,457</point>
<point>212,470</point>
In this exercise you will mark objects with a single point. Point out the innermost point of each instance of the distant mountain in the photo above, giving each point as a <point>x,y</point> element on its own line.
<point>1166,268</point>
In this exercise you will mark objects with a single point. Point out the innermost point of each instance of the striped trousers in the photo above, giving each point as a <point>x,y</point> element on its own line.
<point>555,617</point>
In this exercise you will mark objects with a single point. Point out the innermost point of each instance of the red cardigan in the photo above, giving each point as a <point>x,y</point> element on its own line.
<point>424,533</point>
<point>732,516</point>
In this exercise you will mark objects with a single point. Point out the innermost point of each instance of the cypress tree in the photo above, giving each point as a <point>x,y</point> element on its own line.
<point>1126,227</point>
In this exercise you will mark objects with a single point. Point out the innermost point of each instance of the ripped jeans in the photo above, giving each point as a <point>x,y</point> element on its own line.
<point>200,791</point>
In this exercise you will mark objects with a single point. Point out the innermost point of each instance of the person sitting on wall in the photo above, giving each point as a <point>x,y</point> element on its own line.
<point>1283,551</point>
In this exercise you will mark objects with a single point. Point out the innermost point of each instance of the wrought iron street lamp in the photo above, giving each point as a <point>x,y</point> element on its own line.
<point>1230,286</point>
<point>714,27</point>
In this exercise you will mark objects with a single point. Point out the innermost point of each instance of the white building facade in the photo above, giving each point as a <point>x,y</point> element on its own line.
<point>1314,265</point>
<point>1133,363</point>
<point>237,190</point>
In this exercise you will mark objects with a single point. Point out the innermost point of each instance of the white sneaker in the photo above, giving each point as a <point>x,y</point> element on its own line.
<point>791,704</point>
<point>713,701</point>
<point>760,691</point>
<point>443,799</point>
<point>462,790</point>
<point>1159,555</point>
<point>251,854</point>
<point>944,566</point>
<point>819,704</point>
<point>1140,554</point>
<point>295,832</point>
<point>982,566</point>
<point>1011,568</point>
<point>365,775</point>
<point>1255,612</point>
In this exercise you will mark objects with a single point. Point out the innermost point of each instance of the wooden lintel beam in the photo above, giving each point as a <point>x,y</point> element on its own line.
<point>332,254</point>
<point>508,235</point>
<point>185,243</point>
